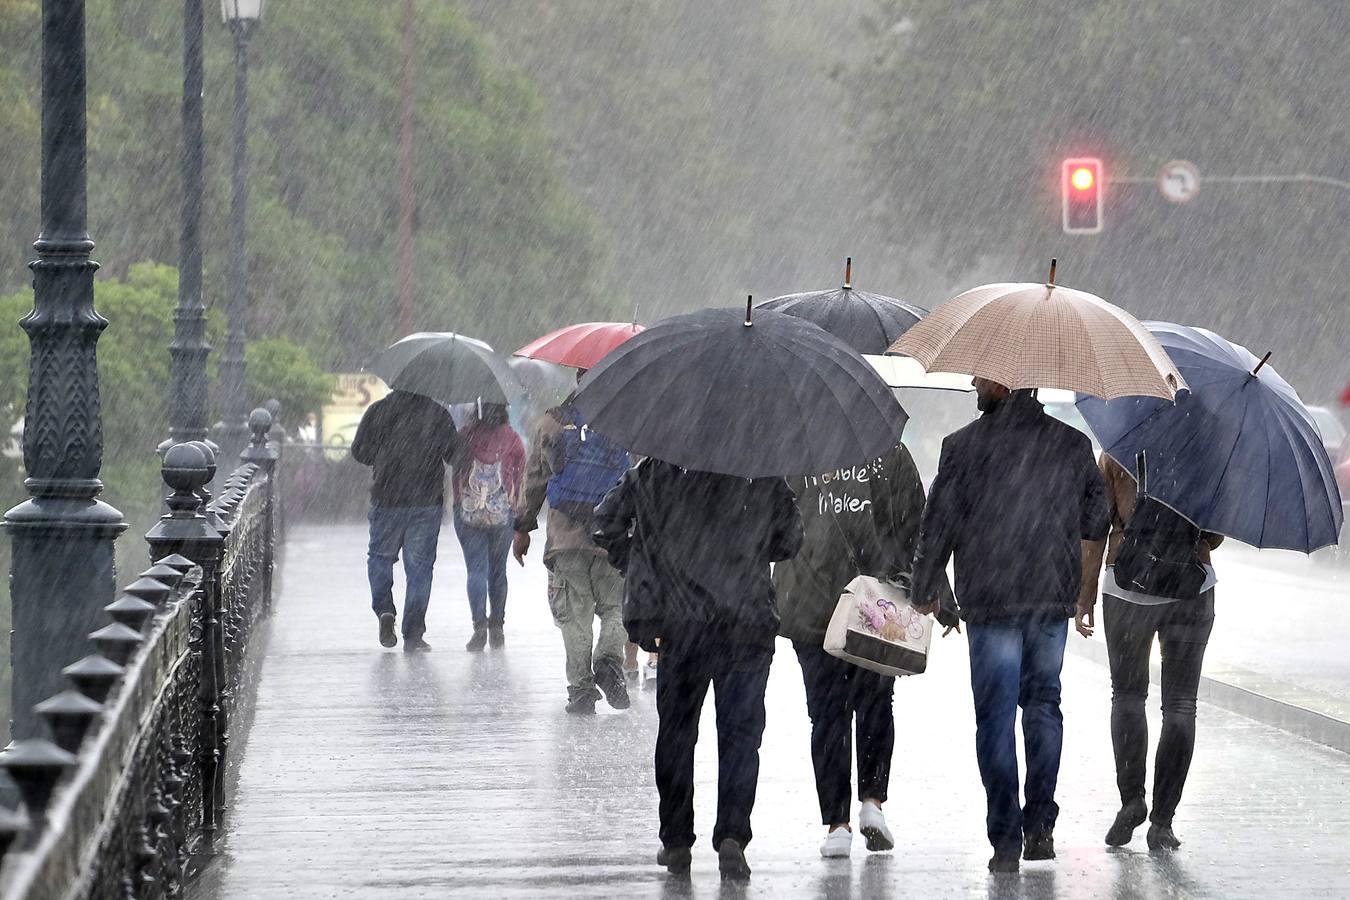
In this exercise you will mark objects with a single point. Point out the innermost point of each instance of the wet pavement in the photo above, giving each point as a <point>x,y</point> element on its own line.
<point>369,773</point>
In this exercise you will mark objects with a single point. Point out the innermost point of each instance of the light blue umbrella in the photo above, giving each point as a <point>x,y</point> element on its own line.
<point>1237,454</point>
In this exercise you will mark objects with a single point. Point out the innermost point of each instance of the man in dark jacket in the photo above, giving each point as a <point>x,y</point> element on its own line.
<point>862,520</point>
<point>408,439</point>
<point>1017,493</point>
<point>695,549</point>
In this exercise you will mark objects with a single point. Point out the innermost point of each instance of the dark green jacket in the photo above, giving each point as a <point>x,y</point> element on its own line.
<point>862,520</point>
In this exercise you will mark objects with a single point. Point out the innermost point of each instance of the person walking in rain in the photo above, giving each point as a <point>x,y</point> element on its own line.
<point>1017,494</point>
<point>695,549</point>
<point>858,521</point>
<point>574,467</point>
<point>408,439</point>
<point>1179,610</point>
<point>489,475</point>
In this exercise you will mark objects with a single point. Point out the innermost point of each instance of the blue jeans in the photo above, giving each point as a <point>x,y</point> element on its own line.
<point>485,553</point>
<point>1012,665</point>
<point>413,530</point>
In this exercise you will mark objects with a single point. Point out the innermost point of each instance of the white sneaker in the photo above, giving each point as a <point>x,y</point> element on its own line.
<point>872,824</point>
<point>837,844</point>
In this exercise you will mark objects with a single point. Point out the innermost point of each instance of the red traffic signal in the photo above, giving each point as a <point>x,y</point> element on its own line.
<point>1081,189</point>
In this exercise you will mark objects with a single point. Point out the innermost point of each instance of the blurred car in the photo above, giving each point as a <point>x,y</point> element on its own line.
<point>1330,428</point>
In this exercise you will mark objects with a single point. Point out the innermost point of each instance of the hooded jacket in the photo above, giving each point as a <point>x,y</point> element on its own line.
<point>695,549</point>
<point>1016,493</point>
<point>862,520</point>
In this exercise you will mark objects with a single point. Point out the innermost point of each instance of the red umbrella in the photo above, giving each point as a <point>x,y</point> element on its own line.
<point>580,346</point>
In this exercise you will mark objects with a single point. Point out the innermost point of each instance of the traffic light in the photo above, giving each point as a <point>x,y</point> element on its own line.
<point>1081,188</point>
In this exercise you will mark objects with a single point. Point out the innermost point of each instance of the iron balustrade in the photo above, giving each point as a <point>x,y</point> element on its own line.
<point>124,799</point>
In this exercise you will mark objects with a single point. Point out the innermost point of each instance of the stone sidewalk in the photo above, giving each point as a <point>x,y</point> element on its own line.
<point>369,773</point>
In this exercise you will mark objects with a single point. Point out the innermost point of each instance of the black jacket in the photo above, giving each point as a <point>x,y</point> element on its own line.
<point>1016,493</point>
<point>863,520</point>
<point>695,550</point>
<point>409,439</point>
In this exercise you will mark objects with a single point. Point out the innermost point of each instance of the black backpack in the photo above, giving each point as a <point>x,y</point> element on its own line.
<point>1160,555</point>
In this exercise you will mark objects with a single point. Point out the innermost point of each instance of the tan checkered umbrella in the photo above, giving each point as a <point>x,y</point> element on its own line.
<point>1043,335</point>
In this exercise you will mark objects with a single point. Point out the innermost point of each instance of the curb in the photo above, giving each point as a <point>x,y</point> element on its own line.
<point>1306,723</point>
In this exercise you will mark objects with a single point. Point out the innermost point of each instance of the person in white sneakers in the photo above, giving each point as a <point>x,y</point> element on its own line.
<point>862,520</point>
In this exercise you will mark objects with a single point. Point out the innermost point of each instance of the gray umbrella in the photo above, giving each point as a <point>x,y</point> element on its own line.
<point>446,367</point>
<point>714,390</point>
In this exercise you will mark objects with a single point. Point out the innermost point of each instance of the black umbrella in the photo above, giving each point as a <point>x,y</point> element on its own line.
<point>869,323</point>
<point>446,367</point>
<point>711,391</point>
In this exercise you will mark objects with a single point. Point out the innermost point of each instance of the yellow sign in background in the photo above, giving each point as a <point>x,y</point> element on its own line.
<point>353,394</point>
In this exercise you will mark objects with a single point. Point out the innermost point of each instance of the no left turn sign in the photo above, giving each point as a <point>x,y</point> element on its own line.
<point>1179,181</point>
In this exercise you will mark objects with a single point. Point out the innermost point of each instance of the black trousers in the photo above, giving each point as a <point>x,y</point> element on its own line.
<point>1182,629</point>
<point>738,676</point>
<point>839,697</point>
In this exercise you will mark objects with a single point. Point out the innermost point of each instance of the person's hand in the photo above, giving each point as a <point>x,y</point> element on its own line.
<point>926,609</point>
<point>950,628</point>
<point>520,545</point>
<point>1086,619</point>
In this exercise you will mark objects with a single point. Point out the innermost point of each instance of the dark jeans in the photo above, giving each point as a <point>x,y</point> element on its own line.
<point>485,553</point>
<point>838,695</point>
<point>414,531</point>
<point>1183,629</point>
<point>1011,665</point>
<point>738,680</point>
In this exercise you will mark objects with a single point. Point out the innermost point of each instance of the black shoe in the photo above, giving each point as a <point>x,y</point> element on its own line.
<point>1004,863</point>
<point>609,679</point>
<point>496,637</point>
<point>478,641</point>
<point>1130,817</point>
<point>1160,837</point>
<point>1038,845</point>
<point>387,636</point>
<point>731,861</point>
<point>415,645</point>
<point>582,706</point>
<point>676,859</point>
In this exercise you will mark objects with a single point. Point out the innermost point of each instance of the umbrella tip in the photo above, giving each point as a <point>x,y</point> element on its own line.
<point>848,273</point>
<point>749,298</point>
<point>1263,361</point>
<point>1050,282</point>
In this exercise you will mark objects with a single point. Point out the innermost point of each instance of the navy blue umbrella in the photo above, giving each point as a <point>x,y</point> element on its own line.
<point>1237,454</point>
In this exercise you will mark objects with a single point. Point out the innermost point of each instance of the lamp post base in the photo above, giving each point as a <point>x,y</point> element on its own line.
<point>62,575</point>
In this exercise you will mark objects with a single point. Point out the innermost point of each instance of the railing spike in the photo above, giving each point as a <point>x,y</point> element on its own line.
<point>94,676</point>
<point>68,716</point>
<point>117,642</point>
<point>36,765</point>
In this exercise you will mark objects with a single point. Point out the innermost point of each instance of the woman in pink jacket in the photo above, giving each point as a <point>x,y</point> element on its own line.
<point>488,487</point>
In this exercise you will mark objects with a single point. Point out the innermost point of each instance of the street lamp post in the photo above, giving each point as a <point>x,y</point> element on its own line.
<point>242,16</point>
<point>62,570</point>
<point>188,352</point>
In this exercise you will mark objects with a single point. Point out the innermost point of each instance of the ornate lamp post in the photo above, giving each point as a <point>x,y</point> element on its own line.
<point>242,16</point>
<point>62,571</point>
<point>187,391</point>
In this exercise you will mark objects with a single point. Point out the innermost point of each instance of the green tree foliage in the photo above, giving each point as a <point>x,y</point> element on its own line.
<point>278,369</point>
<point>502,249</point>
<point>973,105</point>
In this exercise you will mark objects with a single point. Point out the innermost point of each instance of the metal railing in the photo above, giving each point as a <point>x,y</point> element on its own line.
<point>124,800</point>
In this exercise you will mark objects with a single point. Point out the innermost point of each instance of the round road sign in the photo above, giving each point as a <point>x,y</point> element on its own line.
<point>1179,181</point>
